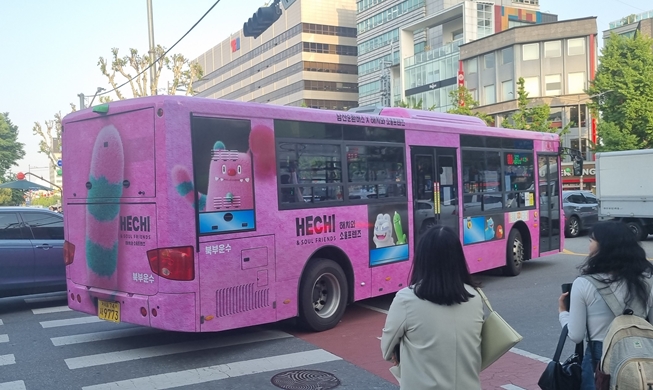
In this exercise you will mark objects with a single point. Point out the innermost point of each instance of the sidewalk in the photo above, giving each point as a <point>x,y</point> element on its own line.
<point>356,340</point>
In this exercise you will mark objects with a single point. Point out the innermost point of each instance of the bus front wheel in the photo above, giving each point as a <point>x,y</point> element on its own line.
<point>322,295</point>
<point>514,254</point>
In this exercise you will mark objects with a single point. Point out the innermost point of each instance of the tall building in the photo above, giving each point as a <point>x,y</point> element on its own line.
<point>556,60</point>
<point>306,58</point>
<point>408,51</point>
<point>630,24</point>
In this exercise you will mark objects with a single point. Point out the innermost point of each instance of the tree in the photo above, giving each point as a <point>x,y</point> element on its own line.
<point>623,93</point>
<point>52,126</point>
<point>11,151</point>
<point>184,73</point>
<point>412,103</point>
<point>535,118</point>
<point>463,104</point>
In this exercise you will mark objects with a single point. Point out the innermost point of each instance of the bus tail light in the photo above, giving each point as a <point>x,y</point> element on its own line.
<point>68,253</point>
<point>173,263</point>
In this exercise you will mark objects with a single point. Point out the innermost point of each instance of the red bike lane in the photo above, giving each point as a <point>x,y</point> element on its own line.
<point>356,340</point>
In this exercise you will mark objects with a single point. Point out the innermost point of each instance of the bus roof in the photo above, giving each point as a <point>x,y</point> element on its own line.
<point>418,119</point>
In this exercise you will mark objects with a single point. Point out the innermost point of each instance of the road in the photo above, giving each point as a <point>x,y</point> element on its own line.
<point>44,345</point>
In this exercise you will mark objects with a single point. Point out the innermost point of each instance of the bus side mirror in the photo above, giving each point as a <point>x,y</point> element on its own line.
<point>578,166</point>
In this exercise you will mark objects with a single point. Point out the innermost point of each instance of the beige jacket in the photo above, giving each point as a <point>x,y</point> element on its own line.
<point>440,345</point>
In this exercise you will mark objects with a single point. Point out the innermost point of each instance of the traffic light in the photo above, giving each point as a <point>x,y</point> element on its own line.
<point>577,165</point>
<point>262,20</point>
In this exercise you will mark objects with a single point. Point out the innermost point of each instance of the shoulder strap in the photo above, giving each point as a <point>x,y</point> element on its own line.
<point>613,303</point>
<point>485,300</point>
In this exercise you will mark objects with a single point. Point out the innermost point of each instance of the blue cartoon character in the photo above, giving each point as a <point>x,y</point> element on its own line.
<point>489,229</point>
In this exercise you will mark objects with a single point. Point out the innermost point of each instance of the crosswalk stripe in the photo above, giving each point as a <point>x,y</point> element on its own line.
<point>219,372</point>
<point>4,338</point>
<point>170,349</point>
<point>70,321</point>
<point>512,387</point>
<point>48,310</point>
<point>6,360</point>
<point>99,336</point>
<point>15,385</point>
<point>46,299</point>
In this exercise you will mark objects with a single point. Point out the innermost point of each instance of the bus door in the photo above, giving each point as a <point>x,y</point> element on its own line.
<point>549,188</point>
<point>435,181</point>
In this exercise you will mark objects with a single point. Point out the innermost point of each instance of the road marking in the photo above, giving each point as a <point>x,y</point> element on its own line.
<point>46,299</point>
<point>219,372</point>
<point>372,308</point>
<point>4,338</point>
<point>530,355</point>
<point>512,387</point>
<point>15,385</point>
<point>171,349</point>
<point>1,323</point>
<point>568,252</point>
<point>70,321</point>
<point>6,360</point>
<point>99,336</point>
<point>48,310</point>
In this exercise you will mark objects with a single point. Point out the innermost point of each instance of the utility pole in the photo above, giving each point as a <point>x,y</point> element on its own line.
<point>150,25</point>
<point>82,103</point>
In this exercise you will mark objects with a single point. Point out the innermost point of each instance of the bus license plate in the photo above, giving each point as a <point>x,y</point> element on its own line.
<point>108,311</point>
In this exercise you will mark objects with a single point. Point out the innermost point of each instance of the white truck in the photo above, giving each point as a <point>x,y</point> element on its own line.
<point>624,186</point>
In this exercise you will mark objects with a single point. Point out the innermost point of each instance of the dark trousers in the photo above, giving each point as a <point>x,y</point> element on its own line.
<point>591,359</point>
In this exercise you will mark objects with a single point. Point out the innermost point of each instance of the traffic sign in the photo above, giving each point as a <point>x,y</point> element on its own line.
<point>59,163</point>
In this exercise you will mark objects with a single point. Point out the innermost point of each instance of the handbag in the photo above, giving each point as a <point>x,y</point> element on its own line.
<point>497,336</point>
<point>563,376</point>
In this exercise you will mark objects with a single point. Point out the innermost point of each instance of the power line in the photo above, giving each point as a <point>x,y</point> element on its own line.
<point>619,1</point>
<point>164,54</point>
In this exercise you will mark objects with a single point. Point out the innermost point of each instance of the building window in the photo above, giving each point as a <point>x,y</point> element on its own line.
<point>531,51</point>
<point>507,55</point>
<point>576,82</point>
<point>472,65</point>
<point>484,20</point>
<point>456,35</point>
<point>552,49</point>
<point>517,23</point>
<point>488,61</point>
<point>474,94</point>
<point>553,85</point>
<point>489,93</point>
<point>532,86</point>
<point>507,90</point>
<point>576,47</point>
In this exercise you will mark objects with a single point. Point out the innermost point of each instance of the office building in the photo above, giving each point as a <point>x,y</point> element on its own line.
<point>557,61</point>
<point>408,51</point>
<point>628,25</point>
<point>306,58</point>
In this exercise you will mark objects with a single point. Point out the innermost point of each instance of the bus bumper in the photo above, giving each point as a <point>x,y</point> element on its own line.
<point>174,312</point>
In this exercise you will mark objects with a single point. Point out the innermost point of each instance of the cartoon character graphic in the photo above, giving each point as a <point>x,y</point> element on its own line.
<point>102,219</point>
<point>489,229</point>
<point>383,231</point>
<point>401,237</point>
<point>499,232</point>
<point>469,223</point>
<point>230,174</point>
<point>230,180</point>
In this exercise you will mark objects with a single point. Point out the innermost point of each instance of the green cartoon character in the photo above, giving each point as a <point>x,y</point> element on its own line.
<point>399,231</point>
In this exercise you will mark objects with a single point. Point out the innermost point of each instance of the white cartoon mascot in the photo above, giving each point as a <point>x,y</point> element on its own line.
<point>383,231</point>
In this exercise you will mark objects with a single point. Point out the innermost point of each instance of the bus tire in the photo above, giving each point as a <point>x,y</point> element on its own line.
<point>514,254</point>
<point>323,295</point>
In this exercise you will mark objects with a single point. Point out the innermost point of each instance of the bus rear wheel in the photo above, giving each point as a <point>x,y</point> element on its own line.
<point>323,295</point>
<point>514,254</point>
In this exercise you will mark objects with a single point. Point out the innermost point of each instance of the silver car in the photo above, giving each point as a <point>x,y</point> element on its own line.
<point>581,211</point>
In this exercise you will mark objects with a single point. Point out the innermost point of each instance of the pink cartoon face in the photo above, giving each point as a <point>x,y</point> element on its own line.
<point>230,180</point>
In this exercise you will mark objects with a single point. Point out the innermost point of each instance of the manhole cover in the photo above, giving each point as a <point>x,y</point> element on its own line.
<point>305,380</point>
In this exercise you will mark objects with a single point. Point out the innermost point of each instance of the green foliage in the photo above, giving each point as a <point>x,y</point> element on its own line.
<point>11,197</point>
<point>463,104</point>
<point>11,151</point>
<point>46,202</point>
<point>411,103</point>
<point>623,93</point>
<point>535,118</point>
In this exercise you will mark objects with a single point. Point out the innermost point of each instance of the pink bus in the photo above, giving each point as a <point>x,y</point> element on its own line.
<point>202,215</point>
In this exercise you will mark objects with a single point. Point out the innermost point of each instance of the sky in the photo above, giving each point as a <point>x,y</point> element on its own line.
<point>50,48</point>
